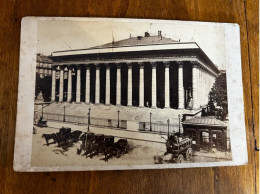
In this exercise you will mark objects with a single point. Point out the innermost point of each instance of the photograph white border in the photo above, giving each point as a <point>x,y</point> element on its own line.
<point>26,88</point>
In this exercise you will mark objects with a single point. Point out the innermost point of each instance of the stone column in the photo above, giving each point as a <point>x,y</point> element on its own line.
<point>200,97</point>
<point>78,85</point>
<point>199,88</point>
<point>180,86</point>
<point>206,85</point>
<point>141,86</point>
<point>69,85</point>
<point>87,92</point>
<point>195,84</point>
<point>203,87</point>
<point>129,85</point>
<point>154,89</point>
<point>118,84</point>
<point>208,82</point>
<point>97,95</point>
<point>166,86</point>
<point>108,84</point>
<point>61,84</point>
<point>53,85</point>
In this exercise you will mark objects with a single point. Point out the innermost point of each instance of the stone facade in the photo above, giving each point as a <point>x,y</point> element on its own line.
<point>43,65</point>
<point>157,75</point>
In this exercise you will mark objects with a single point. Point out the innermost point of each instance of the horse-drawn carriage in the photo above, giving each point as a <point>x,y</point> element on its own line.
<point>91,144</point>
<point>41,123</point>
<point>117,149</point>
<point>86,140</point>
<point>180,147</point>
<point>64,136</point>
<point>95,144</point>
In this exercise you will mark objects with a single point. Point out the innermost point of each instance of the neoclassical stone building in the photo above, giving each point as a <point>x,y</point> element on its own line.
<point>43,65</point>
<point>151,71</point>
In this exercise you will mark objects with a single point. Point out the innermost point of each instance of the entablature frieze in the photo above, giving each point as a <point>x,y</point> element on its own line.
<point>169,61</point>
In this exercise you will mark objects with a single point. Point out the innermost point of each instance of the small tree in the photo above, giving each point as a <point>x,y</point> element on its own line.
<point>219,93</point>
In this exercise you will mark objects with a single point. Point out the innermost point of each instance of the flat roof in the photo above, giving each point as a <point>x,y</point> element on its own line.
<point>205,121</point>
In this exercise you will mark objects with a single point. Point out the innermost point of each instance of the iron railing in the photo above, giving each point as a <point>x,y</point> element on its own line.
<point>83,120</point>
<point>159,127</point>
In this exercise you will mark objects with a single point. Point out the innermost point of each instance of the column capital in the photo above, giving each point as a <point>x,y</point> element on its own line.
<point>180,63</point>
<point>69,67</point>
<point>129,65</point>
<point>195,64</point>
<point>78,66</point>
<point>141,65</point>
<point>87,66</point>
<point>118,65</point>
<point>154,64</point>
<point>97,66</point>
<point>107,65</point>
<point>73,69</point>
<point>58,68</point>
<point>166,63</point>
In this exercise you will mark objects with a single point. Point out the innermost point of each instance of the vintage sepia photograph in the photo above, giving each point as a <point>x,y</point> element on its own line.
<point>129,93</point>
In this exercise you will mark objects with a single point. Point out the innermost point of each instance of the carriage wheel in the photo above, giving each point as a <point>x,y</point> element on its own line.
<point>180,159</point>
<point>189,154</point>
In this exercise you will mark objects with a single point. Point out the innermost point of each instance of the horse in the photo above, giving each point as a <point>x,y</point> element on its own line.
<point>75,135</point>
<point>49,136</point>
<point>68,137</point>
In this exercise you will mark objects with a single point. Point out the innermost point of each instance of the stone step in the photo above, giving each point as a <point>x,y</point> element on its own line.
<point>111,112</point>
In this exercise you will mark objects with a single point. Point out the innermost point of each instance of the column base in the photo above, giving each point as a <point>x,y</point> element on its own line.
<point>154,107</point>
<point>129,105</point>
<point>181,108</point>
<point>166,108</point>
<point>140,106</point>
<point>87,102</point>
<point>77,102</point>
<point>107,104</point>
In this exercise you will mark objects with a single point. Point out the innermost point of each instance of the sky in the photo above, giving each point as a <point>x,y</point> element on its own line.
<point>65,35</point>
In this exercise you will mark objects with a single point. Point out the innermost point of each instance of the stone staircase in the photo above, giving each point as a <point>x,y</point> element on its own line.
<point>111,112</point>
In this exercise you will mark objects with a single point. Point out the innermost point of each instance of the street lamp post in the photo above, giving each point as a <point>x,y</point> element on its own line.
<point>64,114</point>
<point>42,110</point>
<point>168,122</point>
<point>88,118</point>
<point>179,123</point>
<point>118,119</point>
<point>150,121</point>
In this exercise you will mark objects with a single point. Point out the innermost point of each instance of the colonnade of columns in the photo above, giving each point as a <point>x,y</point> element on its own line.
<point>199,88</point>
